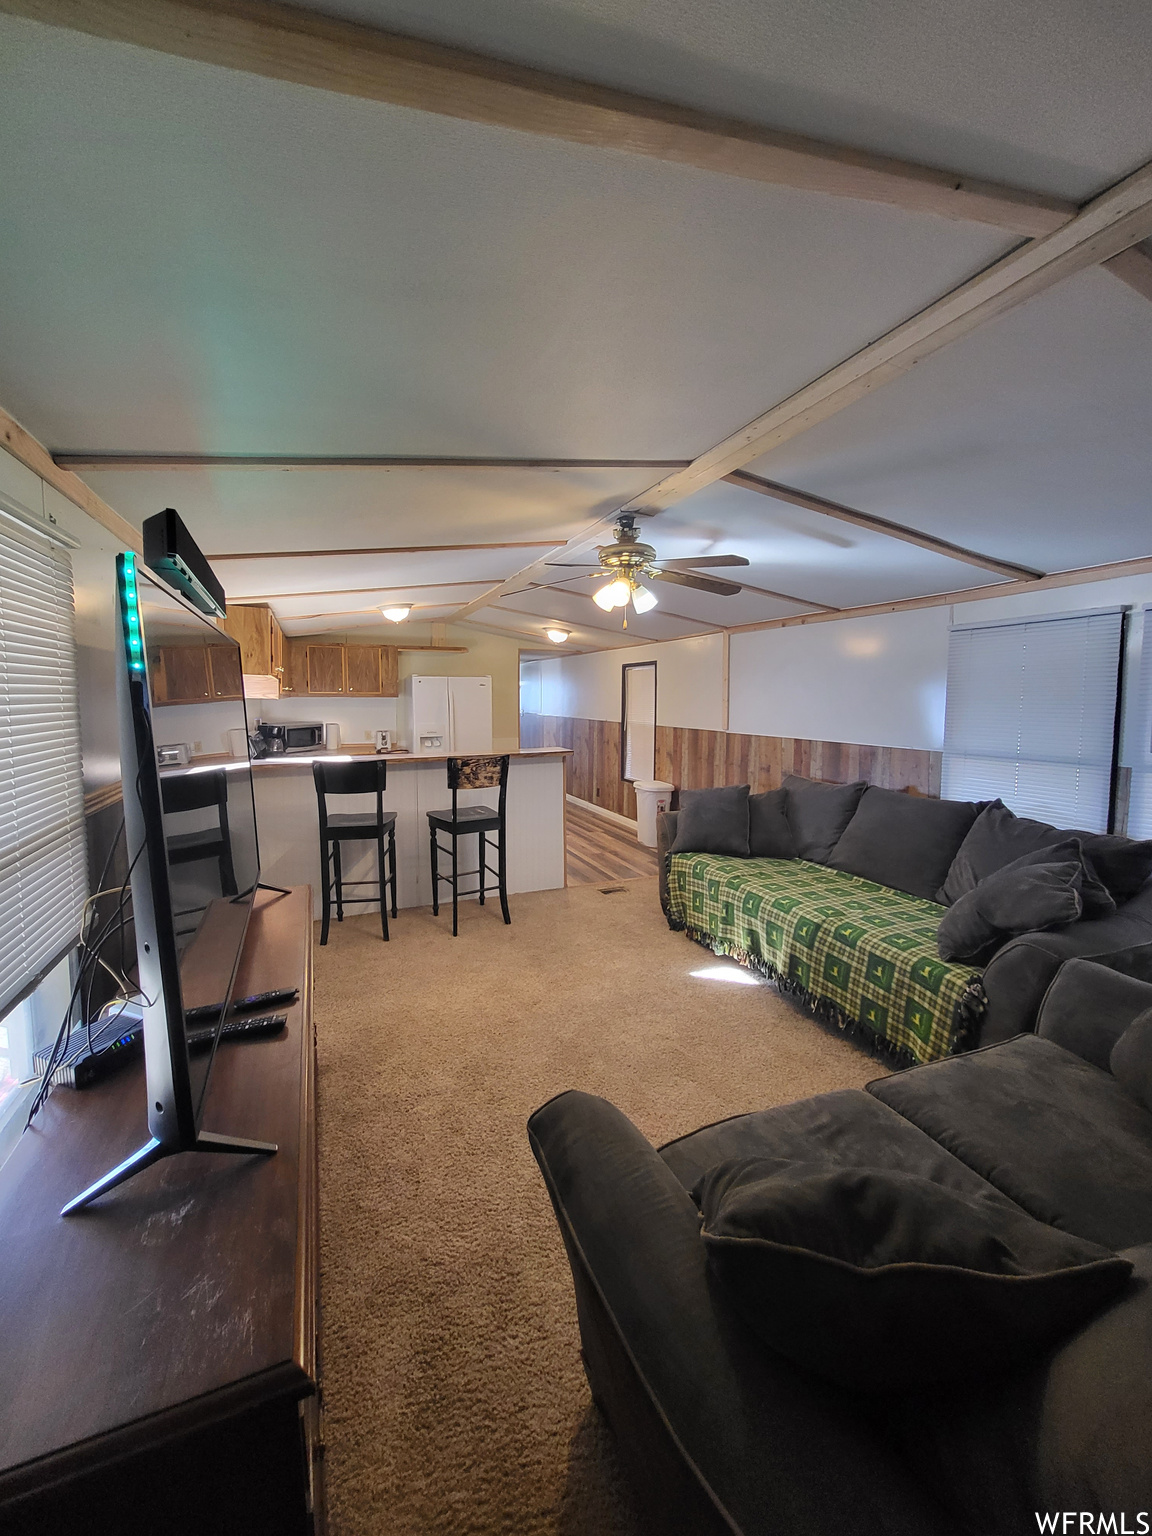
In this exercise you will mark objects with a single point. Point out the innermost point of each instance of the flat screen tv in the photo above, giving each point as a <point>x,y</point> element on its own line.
<point>193,855</point>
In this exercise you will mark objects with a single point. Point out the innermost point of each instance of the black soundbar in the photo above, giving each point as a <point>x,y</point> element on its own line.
<point>172,552</point>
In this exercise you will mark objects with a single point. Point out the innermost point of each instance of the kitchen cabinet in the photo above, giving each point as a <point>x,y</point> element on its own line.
<point>320,668</point>
<point>257,632</point>
<point>190,674</point>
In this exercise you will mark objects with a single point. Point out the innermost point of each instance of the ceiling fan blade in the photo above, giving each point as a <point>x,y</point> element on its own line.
<point>703,560</point>
<point>701,583</point>
<point>562,565</point>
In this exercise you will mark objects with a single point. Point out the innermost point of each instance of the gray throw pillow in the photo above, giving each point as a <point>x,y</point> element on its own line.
<point>998,837</point>
<point>1131,1059</point>
<point>905,841</point>
<point>1025,897</point>
<point>818,814</point>
<point>713,821</point>
<point>769,835</point>
<point>885,1281</point>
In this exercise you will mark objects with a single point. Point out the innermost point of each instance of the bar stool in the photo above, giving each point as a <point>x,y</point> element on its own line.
<point>462,821</point>
<point>196,791</point>
<point>354,826</point>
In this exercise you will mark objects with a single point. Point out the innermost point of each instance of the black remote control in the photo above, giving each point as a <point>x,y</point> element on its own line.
<point>204,1012</point>
<point>238,1029</point>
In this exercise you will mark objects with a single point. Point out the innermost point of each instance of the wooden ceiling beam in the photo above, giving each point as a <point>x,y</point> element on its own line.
<point>34,456</point>
<point>1134,267</point>
<point>99,461</point>
<point>284,42</point>
<point>393,549</point>
<point>1116,220</point>
<point>777,492</point>
<point>1055,579</point>
<point>404,586</point>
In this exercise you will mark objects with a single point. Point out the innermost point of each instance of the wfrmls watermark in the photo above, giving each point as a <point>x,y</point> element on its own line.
<point>1083,1522</point>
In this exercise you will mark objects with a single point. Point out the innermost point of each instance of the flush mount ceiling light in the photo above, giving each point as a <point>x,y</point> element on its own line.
<point>397,614</point>
<point>557,636</point>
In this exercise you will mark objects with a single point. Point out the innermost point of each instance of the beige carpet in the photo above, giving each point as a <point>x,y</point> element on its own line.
<point>455,1397</point>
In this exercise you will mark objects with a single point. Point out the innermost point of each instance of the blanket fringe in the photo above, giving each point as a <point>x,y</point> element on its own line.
<point>826,1012</point>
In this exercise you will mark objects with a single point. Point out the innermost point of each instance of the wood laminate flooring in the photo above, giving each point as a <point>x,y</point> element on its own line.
<point>600,850</point>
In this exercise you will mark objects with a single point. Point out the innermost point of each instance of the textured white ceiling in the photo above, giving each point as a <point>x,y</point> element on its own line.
<point>196,260</point>
<point>1047,94</point>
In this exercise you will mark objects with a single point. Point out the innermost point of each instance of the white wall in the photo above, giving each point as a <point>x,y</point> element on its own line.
<point>876,681</point>
<point>689,682</point>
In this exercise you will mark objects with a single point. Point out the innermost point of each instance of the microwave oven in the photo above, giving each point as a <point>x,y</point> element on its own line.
<point>294,736</point>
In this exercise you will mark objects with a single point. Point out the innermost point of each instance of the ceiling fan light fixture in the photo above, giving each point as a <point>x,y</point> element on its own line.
<point>398,613</point>
<point>643,599</point>
<point>557,636</point>
<point>613,594</point>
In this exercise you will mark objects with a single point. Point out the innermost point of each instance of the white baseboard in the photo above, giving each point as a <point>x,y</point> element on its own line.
<point>586,805</point>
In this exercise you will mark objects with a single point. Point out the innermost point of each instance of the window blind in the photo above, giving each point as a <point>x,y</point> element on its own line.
<point>43,863</point>
<point>1030,716</point>
<point>1140,741</point>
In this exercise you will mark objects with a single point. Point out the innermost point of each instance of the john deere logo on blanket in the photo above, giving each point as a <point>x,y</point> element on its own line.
<point>848,934</point>
<point>880,972</point>
<point>785,903</point>
<point>837,972</point>
<point>805,931</point>
<point>774,935</point>
<point>918,1019</point>
<point>875,1015</point>
<point>751,904</point>
<point>800,970</point>
<point>904,942</point>
<point>929,973</point>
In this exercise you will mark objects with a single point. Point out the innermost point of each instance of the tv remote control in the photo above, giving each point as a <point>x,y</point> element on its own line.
<point>207,1011</point>
<point>238,1029</point>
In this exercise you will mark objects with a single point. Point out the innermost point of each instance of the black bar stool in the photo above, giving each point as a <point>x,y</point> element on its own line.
<point>197,791</point>
<point>353,778</point>
<point>462,821</point>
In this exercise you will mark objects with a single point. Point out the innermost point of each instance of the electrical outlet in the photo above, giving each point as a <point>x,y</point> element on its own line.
<point>369,736</point>
<point>197,745</point>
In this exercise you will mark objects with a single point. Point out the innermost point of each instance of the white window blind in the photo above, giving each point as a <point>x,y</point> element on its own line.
<point>1139,735</point>
<point>43,865</point>
<point>1031,714</point>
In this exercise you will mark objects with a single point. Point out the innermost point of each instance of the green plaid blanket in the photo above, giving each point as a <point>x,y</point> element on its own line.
<point>863,953</point>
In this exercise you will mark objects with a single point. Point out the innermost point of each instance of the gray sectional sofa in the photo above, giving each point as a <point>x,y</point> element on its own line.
<point>721,1434</point>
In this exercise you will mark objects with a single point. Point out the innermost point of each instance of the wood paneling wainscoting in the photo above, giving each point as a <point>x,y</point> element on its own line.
<point>700,759</point>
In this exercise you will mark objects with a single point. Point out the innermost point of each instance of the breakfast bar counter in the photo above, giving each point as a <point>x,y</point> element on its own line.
<point>289,828</point>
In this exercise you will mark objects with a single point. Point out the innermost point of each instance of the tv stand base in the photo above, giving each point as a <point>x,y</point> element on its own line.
<point>152,1151</point>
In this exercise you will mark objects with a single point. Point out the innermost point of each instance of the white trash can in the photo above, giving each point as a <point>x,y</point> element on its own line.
<point>652,797</point>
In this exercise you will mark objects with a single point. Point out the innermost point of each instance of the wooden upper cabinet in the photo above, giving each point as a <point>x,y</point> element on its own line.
<point>256,631</point>
<point>182,676</point>
<point>224,671</point>
<point>362,670</point>
<point>324,669</point>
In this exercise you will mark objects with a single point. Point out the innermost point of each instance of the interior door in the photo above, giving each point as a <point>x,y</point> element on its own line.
<point>638,721</point>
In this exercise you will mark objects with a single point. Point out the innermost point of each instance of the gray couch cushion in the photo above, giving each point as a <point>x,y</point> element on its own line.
<point>1029,895</point>
<point>844,1129</point>
<point>713,821</point>
<point>1050,1131</point>
<point>998,837</point>
<point>828,1266</point>
<point>1131,1060</point>
<point>818,814</point>
<point>769,835</point>
<point>905,841</point>
<point>1069,1433</point>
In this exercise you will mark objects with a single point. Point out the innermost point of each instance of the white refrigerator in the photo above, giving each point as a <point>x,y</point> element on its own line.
<point>447,714</point>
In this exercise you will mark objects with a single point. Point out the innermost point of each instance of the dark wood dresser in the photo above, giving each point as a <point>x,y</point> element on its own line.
<point>159,1353</point>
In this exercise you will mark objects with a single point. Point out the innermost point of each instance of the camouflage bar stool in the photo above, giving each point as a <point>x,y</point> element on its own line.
<point>463,821</point>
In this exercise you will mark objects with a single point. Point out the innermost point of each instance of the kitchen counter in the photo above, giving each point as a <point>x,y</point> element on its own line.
<point>288,823</point>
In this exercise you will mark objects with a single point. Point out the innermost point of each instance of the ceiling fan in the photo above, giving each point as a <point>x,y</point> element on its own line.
<point>630,562</point>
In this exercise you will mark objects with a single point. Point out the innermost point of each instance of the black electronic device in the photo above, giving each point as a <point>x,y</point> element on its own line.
<point>237,1029</point>
<point>93,1054</point>
<point>207,1011</point>
<point>192,885</point>
<point>172,552</point>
